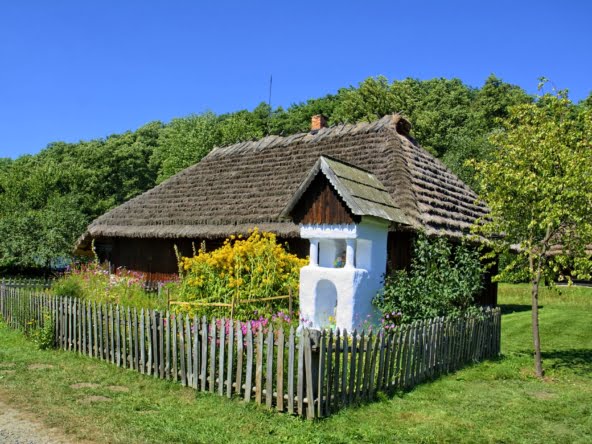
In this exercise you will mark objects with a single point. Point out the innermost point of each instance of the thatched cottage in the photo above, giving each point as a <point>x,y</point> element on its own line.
<point>238,187</point>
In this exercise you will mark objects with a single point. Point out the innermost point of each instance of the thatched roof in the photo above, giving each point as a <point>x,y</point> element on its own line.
<point>248,184</point>
<point>360,190</point>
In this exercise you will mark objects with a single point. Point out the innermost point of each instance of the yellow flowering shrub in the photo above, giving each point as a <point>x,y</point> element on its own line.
<point>242,270</point>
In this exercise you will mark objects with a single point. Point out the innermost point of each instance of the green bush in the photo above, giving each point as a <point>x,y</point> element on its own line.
<point>68,286</point>
<point>443,280</point>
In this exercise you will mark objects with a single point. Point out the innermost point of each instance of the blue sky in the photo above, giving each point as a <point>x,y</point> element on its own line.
<point>72,70</point>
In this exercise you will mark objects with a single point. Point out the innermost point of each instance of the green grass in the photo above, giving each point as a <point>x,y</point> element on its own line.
<point>495,401</point>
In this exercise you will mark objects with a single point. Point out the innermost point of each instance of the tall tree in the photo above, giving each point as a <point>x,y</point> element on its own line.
<point>539,188</point>
<point>183,142</point>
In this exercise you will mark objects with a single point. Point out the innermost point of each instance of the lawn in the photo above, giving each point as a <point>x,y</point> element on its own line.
<point>495,401</point>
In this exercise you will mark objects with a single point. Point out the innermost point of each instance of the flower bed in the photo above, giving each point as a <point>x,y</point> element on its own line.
<point>95,282</point>
<point>241,276</point>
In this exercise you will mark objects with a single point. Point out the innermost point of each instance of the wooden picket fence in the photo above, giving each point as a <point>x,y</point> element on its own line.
<point>309,373</point>
<point>27,283</point>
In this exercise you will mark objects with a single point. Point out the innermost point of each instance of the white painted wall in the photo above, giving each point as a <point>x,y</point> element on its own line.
<point>340,293</point>
<point>344,294</point>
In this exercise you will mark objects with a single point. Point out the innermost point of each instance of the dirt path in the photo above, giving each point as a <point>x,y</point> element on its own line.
<point>23,428</point>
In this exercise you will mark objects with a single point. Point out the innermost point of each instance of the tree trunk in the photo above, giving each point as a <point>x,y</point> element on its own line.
<point>538,362</point>
<point>536,280</point>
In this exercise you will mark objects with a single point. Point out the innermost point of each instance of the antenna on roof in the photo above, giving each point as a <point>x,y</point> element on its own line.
<point>269,105</point>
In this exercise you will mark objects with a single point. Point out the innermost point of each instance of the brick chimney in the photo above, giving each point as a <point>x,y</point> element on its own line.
<point>317,122</point>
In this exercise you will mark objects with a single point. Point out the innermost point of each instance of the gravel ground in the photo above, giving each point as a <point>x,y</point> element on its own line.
<point>22,428</point>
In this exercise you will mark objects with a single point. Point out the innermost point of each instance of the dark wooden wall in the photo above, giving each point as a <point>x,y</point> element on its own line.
<point>158,255</point>
<point>320,204</point>
<point>400,250</point>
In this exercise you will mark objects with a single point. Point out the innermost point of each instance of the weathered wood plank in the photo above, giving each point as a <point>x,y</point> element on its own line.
<point>137,357</point>
<point>70,319</point>
<point>174,349</point>
<point>381,358</point>
<point>259,368</point>
<point>446,354</point>
<point>396,356</point>
<point>212,375</point>
<point>111,333</point>
<point>117,338</point>
<point>406,364</point>
<point>229,369</point>
<point>422,351</point>
<point>249,366</point>
<point>89,328</point>
<point>269,369</point>
<point>300,377</point>
<point>373,373</point>
<point>321,376</point>
<point>239,359</point>
<point>352,367</point>
<point>436,348</point>
<point>367,366</point>
<point>344,367</point>
<point>310,410</point>
<point>84,320</point>
<point>360,368</point>
<point>142,343</point>
<point>431,340</point>
<point>456,344</point>
<point>167,346</point>
<point>161,334</point>
<point>100,320</point>
<point>188,349</point>
<point>389,359</point>
<point>415,353</point>
<point>291,371</point>
<point>150,357</point>
<point>181,352</point>
<point>130,337</point>
<point>78,326</point>
<point>196,350</point>
<point>337,366</point>
<point>204,353</point>
<point>124,338</point>
<point>221,356</point>
<point>279,380</point>
<point>400,359</point>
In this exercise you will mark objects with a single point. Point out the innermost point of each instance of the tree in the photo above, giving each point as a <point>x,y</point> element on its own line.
<point>39,221</point>
<point>183,142</point>
<point>538,186</point>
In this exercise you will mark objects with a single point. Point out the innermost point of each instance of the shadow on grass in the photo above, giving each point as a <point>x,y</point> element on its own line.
<point>515,308</point>
<point>576,360</point>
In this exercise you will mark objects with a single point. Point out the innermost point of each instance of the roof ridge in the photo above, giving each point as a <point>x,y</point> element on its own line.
<point>388,121</point>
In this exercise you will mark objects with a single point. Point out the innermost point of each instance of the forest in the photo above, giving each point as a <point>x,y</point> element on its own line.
<point>47,199</point>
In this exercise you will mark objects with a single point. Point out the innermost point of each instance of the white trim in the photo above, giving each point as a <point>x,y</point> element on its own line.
<point>327,231</point>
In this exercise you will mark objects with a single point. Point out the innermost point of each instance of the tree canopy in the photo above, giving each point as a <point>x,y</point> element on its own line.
<point>539,188</point>
<point>47,199</point>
